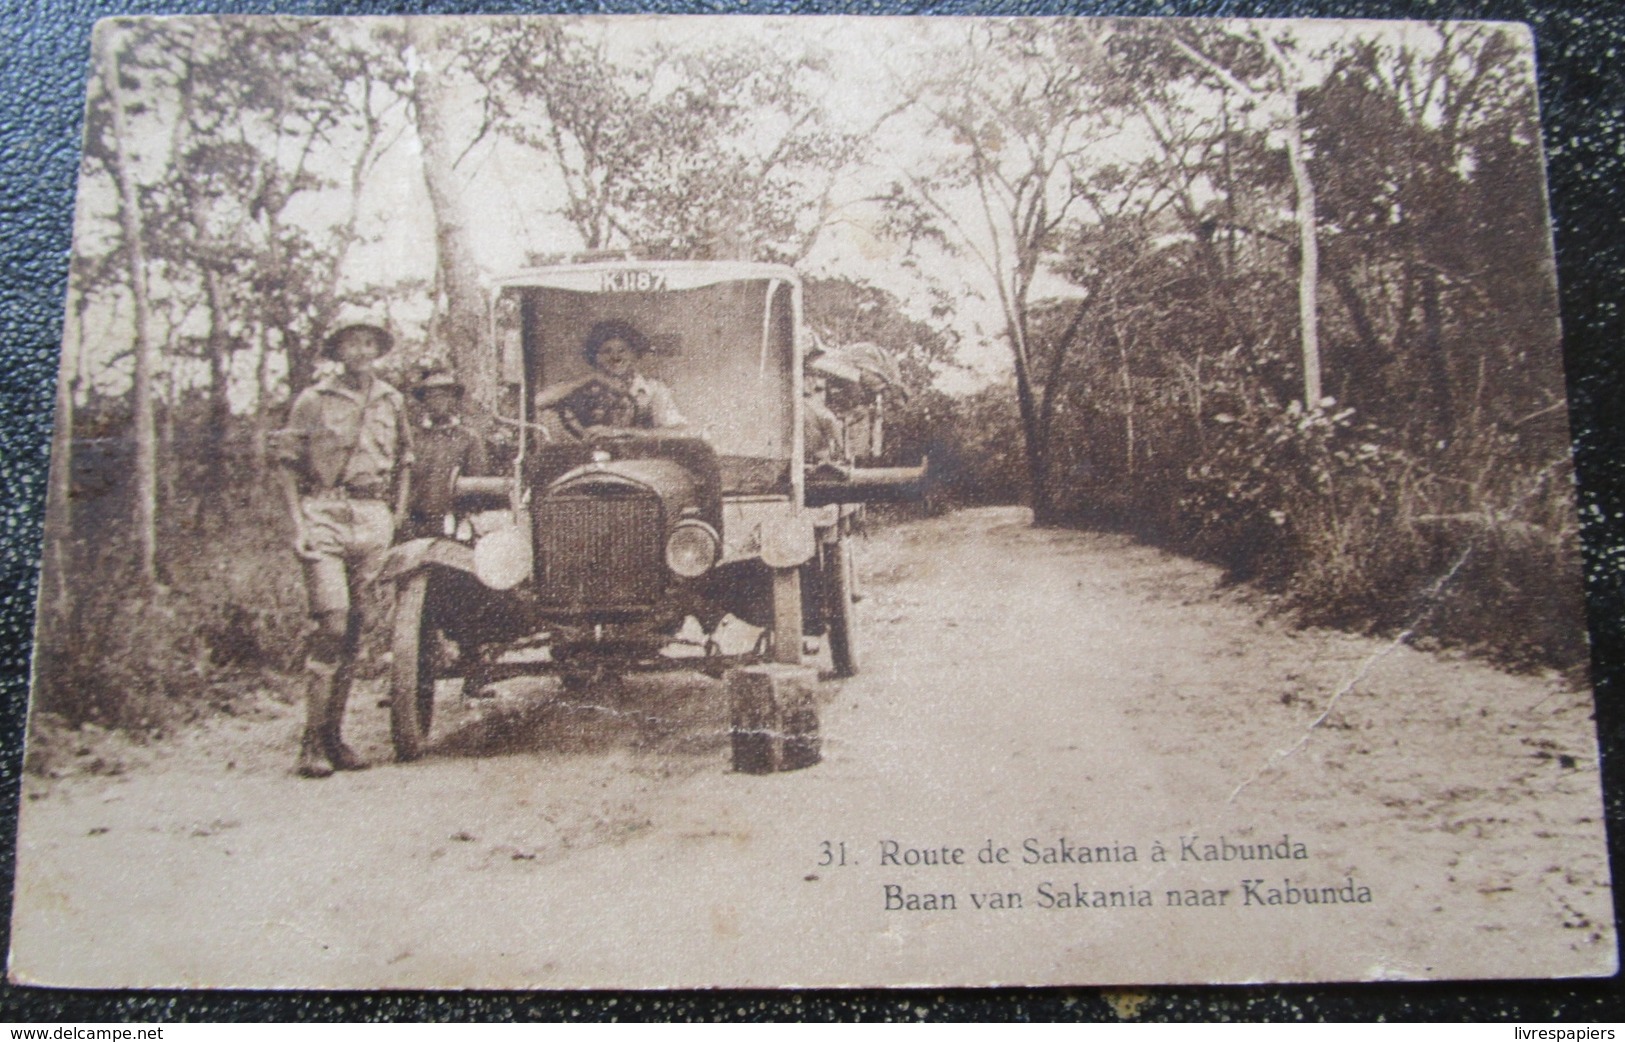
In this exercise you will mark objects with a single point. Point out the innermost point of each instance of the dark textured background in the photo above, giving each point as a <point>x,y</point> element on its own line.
<point>1582,93</point>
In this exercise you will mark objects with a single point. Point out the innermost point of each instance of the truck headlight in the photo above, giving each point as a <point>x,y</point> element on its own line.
<point>692,548</point>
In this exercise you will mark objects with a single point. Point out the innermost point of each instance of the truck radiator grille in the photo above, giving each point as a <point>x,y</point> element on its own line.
<point>599,552</point>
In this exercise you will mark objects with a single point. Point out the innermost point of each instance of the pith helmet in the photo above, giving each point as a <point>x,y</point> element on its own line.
<point>381,336</point>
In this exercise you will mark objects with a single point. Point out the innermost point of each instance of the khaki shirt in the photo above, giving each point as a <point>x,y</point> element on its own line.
<point>342,438</point>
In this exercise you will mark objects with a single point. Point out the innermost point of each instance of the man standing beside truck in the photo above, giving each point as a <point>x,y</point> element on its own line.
<point>346,459</point>
<point>446,449</point>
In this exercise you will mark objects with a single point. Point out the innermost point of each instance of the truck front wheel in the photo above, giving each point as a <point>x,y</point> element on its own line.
<point>411,680</point>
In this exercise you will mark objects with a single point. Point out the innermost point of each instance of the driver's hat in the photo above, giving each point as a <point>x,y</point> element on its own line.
<point>436,378</point>
<point>382,338</point>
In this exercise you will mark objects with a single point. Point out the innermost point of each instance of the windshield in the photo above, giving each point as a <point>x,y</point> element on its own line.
<point>714,361</point>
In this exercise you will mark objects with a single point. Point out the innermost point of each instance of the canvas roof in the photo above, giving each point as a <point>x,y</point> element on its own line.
<point>596,277</point>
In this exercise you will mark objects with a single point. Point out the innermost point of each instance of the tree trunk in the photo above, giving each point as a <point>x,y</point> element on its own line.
<point>1128,409</point>
<point>144,492</point>
<point>301,362</point>
<point>463,325</point>
<point>1443,425</point>
<point>1026,401</point>
<point>1038,490</point>
<point>221,466</point>
<point>1045,508</point>
<point>58,565</point>
<point>169,460</point>
<point>1308,255</point>
<point>259,450</point>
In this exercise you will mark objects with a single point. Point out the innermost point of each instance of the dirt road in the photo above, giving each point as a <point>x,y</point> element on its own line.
<point>1042,714</point>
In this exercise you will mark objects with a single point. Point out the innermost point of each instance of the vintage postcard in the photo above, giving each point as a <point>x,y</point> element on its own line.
<point>762,502</point>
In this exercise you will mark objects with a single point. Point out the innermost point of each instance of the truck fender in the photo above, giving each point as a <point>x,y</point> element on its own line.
<point>405,558</point>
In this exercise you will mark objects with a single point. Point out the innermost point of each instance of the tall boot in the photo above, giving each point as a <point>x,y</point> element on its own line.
<point>313,757</point>
<point>340,755</point>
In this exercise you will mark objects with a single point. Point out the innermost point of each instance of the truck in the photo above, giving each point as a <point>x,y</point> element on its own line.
<point>659,485</point>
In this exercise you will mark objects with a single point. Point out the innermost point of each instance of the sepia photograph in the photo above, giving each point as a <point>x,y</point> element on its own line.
<point>670,502</point>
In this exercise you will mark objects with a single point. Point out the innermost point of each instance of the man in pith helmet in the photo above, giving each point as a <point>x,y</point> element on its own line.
<point>345,460</point>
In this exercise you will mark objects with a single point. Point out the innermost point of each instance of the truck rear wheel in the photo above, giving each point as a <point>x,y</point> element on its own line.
<point>840,581</point>
<point>411,680</point>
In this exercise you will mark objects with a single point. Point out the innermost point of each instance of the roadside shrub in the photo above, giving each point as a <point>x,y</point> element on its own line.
<point>1354,533</point>
<point>227,615</point>
<point>974,444</point>
<point>1283,493</point>
<point>122,658</point>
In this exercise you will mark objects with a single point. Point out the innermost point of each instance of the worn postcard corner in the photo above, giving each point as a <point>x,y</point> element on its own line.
<point>858,502</point>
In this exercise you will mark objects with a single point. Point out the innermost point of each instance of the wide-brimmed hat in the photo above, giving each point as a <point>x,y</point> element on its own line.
<point>382,337</point>
<point>435,378</point>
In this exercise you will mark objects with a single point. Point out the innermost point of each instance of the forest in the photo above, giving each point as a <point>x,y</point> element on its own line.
<point>1277,295</point>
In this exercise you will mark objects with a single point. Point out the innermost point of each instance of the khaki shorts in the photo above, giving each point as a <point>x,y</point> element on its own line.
<point>347,541</point>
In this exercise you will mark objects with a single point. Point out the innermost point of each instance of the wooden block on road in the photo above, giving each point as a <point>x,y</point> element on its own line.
<point>775,718</point>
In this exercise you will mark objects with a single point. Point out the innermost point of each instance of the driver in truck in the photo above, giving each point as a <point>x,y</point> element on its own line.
<point>614,396</point>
